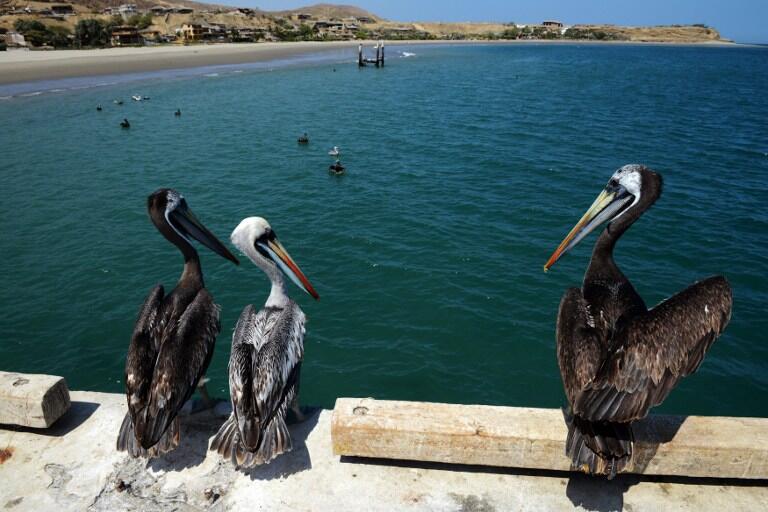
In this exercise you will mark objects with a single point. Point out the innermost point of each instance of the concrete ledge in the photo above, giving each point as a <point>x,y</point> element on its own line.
<point>518,437</point>
<point>74,466</point>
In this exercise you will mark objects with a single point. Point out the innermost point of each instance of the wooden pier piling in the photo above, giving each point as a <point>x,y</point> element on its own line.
<point>362,61</point>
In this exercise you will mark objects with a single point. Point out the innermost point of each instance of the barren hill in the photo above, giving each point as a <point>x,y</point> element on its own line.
<point>329,11</point>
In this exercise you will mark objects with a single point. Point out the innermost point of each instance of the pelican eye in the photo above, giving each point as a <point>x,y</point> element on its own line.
<point>262,241</point>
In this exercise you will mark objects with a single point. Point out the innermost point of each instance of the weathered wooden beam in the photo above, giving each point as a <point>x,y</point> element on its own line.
<point>32,400</point>
<point>519,437</point>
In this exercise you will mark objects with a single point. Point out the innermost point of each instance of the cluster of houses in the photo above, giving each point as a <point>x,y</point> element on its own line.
<point>347,28</point>
<point>261,27</point>
<point>56,11</point>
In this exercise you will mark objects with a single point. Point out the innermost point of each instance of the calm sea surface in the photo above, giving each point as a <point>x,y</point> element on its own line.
<point>466,167</point>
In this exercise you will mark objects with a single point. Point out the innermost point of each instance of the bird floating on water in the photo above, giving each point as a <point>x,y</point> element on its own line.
<point>335,151</point>
<point>304,139</point>
<point>177,113</point>
<point>173,338</point>
<point>125,124</point>
<point>336,168</point>
<point>267,350</point>
<point>98,107</point>
<point>617,358</point>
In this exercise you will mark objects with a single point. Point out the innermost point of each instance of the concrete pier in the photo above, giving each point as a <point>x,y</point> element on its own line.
<point>74,466</point>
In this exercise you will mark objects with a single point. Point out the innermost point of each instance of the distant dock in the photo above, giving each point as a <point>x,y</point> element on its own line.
<point>378,61</point>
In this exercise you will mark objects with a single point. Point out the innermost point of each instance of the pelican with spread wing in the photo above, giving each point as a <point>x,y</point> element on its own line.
<point>617,358</point>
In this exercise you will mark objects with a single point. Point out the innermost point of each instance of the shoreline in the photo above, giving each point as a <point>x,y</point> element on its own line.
<point>19,66</point>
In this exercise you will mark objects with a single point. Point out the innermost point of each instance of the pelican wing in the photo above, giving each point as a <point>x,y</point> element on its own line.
<point>660,348</point>
<point>579,351</point>
<point>181,362</point>
<point>142,353</point>
<point>241,366</point>
<point>264,373</point>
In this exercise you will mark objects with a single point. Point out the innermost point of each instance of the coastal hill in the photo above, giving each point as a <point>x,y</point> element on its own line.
<point>163,21</point>
<point>328,11</point>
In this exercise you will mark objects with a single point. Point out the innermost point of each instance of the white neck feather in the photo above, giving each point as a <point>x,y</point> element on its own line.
<point>278,298</point>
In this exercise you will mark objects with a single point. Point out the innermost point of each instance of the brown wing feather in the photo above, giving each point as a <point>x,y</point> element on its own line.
<point>660,348</point>
<point>142,353</point>
<point>181,362</point>
<point>579,351</point>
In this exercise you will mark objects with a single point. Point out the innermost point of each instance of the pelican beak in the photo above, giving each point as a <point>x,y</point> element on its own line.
<point>183,217</point>
<point>608,205</point>
<point>283,260</point>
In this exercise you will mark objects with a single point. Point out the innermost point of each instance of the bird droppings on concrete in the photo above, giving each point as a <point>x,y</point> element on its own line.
<point>12,503</point>
<point>472,503</point>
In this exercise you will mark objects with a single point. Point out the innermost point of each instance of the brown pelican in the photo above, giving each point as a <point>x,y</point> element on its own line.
<point>617,358</point>
<point>267,349</point>
<point>173,338</point>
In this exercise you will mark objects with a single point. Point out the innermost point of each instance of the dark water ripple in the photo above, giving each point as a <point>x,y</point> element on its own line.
<point>466,168</point>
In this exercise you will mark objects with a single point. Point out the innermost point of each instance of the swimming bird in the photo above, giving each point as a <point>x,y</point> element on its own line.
<point>335,151</point>
<point>617,358</point>
<point>177,113</point>
<point>98,108</point>
<point>173,338</point>
<point>125,124</point>
<point>336,168</point>
<point>304,139</point>
<point>267,351</point>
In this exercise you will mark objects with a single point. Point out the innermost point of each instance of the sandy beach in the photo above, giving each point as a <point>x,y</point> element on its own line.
<point>19,66</point>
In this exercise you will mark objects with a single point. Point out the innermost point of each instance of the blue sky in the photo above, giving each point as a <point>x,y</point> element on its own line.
<point>741,20</point>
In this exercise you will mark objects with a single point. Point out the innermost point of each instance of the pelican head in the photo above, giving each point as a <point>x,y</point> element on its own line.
<point>256,239</point>
<point>172,217</point>
<point>624,191</point>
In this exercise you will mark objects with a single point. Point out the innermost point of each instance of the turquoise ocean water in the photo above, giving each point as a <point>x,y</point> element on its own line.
<point>466,167</point>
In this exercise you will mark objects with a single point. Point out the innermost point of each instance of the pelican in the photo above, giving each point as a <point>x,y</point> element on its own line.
<point>617,358</point>
<point>173,338</point>
<point>335,151</point>
<point>336,168</point>
<point>267,350</point>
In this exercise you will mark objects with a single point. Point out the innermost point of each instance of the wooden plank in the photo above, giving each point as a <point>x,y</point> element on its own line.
<point>32,400</point>
<point>519,437</point>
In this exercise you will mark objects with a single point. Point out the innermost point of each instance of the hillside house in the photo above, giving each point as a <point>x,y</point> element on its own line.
<point>15,40</point>
<point>127,10</point>
<point>126,35</point>
<point>62,9</point>
<point>193,31</point>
